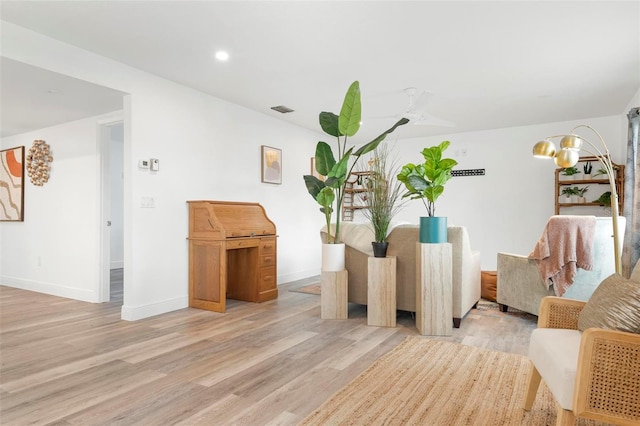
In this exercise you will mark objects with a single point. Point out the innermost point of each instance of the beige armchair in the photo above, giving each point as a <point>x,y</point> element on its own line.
<point>402,244</point>
<point>594,374</point>
<point>521,286</point>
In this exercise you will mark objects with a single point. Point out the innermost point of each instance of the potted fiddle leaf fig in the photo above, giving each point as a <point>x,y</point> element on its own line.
<point>336,167</point>
<point>425,181</point>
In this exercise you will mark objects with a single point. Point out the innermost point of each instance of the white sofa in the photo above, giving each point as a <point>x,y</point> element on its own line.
<point>402,244</point>
<point>521,286</point>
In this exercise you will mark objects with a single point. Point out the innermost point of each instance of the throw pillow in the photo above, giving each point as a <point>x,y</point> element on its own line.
<point>615,305</point>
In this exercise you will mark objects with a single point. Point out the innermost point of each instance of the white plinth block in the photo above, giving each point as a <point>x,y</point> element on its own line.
<point>434,289</point>
<point>333,294</point>
<point>381,291</point>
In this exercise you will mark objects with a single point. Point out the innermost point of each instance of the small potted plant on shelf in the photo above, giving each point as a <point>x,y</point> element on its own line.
<point>586,168</point>
<point>567,192</point>
<point>601,172</point>
<point>383,198</point>
<point>426,181</point>
<point>570,172</point>
<point>580,192</point>
<point>604,199</point>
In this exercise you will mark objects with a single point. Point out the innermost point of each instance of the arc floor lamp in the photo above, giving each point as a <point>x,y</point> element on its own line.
<point>568,156</point>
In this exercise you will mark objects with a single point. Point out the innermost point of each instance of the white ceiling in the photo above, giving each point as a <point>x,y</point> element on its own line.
<point>33,98</point>
<point>488,64</point>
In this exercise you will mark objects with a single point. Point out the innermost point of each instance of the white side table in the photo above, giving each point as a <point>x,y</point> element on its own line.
<point>381,291</point>
<point>434,289</point>
<point>333,295</point>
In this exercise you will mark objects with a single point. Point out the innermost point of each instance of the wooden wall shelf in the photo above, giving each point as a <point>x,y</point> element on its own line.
<point>560,183</point>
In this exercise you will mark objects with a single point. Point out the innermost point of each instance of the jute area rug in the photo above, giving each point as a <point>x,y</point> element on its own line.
<point>431,382</point>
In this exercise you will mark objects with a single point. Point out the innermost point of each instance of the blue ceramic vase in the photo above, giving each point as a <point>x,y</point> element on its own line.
<point>433,230</point>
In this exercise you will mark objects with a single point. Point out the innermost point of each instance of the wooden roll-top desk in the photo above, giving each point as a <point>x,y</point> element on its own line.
<point>232,253</point>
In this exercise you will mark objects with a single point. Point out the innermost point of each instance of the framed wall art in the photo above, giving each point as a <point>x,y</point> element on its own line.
<point>314,172</point>
<point>12,184</point>
<point>271,165</point>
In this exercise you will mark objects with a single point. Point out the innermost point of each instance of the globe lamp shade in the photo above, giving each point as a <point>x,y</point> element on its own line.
<point>567,158</point>
<point>544,149</point>
<point>571,142</point>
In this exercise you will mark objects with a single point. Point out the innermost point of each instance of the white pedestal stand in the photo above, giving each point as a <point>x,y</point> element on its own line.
<point>381,291</point>
<point>434,289</point>
<point>333,294</point>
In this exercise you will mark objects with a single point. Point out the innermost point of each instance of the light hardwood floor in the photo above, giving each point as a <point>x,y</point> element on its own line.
<point>66,362</point>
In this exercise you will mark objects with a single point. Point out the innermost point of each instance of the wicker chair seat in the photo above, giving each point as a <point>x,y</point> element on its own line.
<point>604,364</point>
<point>554,352</point>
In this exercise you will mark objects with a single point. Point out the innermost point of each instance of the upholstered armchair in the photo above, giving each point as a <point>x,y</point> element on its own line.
<point>521,286</point>
<point>594,373</point>
<point>402,244</point>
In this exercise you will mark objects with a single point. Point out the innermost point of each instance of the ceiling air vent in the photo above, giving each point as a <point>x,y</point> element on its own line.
<point>282,109</point>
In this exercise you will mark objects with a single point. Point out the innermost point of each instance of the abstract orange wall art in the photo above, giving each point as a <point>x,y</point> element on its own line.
<point>12,184</point>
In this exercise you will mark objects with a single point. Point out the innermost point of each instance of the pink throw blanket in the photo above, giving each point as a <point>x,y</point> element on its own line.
<point>565,245</point>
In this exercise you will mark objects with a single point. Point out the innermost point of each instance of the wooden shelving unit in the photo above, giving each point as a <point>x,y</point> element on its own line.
<point>353,195</point>
<point>604,180</point>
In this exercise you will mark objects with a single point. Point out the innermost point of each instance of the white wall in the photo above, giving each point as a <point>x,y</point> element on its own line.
<point>505,210</point>
<point>55,250</point>
<point>210,149</point>
<point>633,103</point>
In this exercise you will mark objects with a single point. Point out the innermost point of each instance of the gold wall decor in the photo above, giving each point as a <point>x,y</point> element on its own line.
<point>38,160</point>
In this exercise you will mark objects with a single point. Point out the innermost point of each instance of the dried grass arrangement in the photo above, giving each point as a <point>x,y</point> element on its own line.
<point>383,195</point>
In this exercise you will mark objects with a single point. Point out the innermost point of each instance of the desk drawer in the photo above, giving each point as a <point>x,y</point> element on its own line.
<point>268,260</point>
<point>268,246</point>
<point>237,244</point>
<point>268,279</point>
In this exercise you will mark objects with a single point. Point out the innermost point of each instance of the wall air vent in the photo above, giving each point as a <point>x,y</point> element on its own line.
<point>282,109</point>
<point>472,172</point>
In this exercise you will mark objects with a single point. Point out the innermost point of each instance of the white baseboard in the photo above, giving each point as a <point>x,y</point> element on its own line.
<point>134,313</point>
<point>51,288</point>
<point>282,279</point>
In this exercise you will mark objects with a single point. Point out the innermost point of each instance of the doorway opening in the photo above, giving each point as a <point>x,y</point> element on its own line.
<point>112,211</point>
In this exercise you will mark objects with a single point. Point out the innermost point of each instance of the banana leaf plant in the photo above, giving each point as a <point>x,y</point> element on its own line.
<point>329,193</point>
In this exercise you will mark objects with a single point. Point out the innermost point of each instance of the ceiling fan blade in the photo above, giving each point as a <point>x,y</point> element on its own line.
<point>421,100</point>
<point>414,112</point>
<point>386,117</point>
<point>430,120</point>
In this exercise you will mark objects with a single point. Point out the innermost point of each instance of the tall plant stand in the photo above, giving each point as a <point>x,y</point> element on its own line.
<point>333,294</point>
<point>434,289</point>
<point>381,291</point>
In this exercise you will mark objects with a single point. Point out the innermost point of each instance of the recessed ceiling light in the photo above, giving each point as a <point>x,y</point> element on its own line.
<point>221,55</point>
